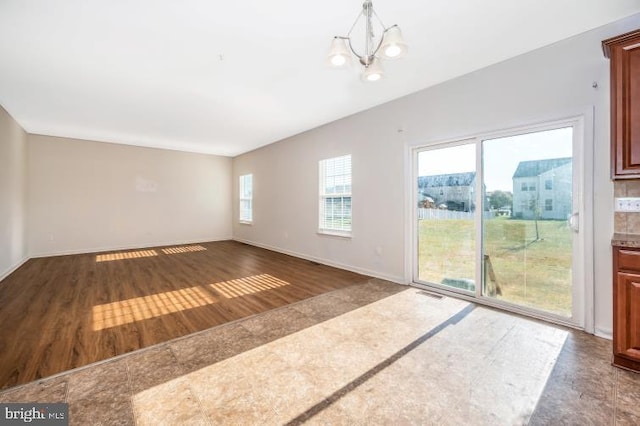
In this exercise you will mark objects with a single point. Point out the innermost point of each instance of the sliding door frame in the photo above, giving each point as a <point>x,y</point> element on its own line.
<point>582,256</point>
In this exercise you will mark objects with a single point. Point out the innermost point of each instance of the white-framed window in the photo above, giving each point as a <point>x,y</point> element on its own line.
<point>548,184</point>
<point>548,204</point>
<point>335,196</point>
<point>246,198</point>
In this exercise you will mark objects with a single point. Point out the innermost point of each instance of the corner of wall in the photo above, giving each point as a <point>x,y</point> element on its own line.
<point>13,192</point>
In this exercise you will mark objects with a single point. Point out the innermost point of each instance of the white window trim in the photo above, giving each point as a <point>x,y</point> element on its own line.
<point>321,196</point>
<point>242,220</point>
<point>333,233</point>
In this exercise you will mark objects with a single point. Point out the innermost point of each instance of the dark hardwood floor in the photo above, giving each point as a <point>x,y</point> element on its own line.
<point>63,312</point>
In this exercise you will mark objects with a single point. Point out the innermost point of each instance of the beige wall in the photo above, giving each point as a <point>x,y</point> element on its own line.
<point>285,196</point>
<point>13,248</point>
<point>86,196</point>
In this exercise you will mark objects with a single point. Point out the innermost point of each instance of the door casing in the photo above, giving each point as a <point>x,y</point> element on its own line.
<point>582,268</point>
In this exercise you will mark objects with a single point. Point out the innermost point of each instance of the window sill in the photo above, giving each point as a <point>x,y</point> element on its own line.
<point>331,233</point>
<point>245,222</point>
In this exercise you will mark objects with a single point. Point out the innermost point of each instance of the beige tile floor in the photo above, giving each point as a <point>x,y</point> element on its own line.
<point>376,353</point>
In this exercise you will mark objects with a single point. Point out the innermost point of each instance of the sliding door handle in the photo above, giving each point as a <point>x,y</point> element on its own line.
<point>574,222</point>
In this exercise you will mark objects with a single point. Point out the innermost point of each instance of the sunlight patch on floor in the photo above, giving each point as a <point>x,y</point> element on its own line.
<point>109,257</point>
<point>125,255</point>
<point>248,285</point>
<point>488,368</point>
<point>183,249</point>
<point>142,308</point>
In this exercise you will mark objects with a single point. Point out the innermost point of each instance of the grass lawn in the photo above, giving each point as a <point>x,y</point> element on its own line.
<point>530,273</point>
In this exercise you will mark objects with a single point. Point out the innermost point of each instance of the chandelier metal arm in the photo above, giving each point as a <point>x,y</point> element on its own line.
<point>355,22</point>
<point>348,39</point>
<point>389,45</point>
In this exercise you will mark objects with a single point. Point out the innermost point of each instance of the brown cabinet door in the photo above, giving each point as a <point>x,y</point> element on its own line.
<point>624,53</point>
<point>627,316</point>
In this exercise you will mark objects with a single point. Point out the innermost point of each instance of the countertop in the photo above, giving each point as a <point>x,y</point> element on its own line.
<point>626,240</point>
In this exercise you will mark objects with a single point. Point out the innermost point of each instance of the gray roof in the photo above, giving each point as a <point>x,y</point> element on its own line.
<point>537,167</point>
<point>453,179</point>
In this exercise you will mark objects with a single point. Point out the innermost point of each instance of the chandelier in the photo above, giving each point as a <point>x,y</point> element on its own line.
<point>389,45</point>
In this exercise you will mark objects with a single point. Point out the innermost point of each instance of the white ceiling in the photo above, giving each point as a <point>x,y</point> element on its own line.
<point>150,73</point>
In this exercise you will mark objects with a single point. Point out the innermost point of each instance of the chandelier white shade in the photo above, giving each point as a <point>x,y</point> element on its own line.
<point>339,54</point>
<point>390,45</point>
<point>373,71</point>
<point>393,45</point>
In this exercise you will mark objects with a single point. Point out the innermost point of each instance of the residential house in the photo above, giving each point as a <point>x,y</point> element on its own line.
<point>543,187</point>
<point>455,190</point>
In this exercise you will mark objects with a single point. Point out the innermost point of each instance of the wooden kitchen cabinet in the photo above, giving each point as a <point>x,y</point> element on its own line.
<point>626,307</point>
<point>624,54</point>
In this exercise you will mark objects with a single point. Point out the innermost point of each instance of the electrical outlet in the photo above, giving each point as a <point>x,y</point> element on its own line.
<point>627,204</point>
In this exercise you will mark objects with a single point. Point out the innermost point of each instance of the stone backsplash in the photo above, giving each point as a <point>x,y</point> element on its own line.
<point>626,223</point>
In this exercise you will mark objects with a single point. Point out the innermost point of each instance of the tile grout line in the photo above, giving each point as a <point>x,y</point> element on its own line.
<point>66,390</point>
<point>183,375</point>
<point>199,402</point>
<point>130,388</point>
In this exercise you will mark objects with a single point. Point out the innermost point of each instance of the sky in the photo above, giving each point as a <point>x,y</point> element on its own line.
<point>500,156</point>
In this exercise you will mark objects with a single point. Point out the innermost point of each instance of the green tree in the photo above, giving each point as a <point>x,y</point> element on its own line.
<point>534,206</point>
<point>499,199</point>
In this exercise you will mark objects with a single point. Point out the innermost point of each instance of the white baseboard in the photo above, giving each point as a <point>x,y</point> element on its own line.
<point>363,271</point>
<point>11,269</point>
<point>129,247</point>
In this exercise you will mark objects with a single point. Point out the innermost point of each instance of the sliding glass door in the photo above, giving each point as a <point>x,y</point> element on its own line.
<point>446,198</point>
<point>497,220</point>
<point>527,237</point>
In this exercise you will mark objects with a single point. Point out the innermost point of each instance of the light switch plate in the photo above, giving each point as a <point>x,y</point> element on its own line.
<point>627,204</point>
